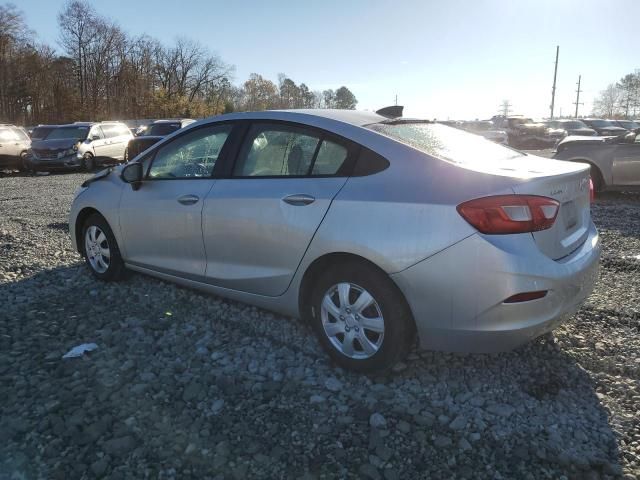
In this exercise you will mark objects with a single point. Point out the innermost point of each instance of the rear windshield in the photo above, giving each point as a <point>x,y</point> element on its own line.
<point>162,129</point>
<point>447,143</point>
<point>79,133</point>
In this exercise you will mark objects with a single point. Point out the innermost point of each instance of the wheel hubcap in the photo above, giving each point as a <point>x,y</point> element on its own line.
<point>352,320</point>
<point>97,250</point>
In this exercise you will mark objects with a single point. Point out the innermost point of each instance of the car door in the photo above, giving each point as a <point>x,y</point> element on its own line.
<point>9,143</point>
<point>626,164</point>
<point>98,142</point>
<point>258,223</point>
<point>120,141</point>
<point>111,134</point>
<point>161,222</point>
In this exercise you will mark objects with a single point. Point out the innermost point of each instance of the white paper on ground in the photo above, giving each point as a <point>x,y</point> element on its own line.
<point>80,350</point>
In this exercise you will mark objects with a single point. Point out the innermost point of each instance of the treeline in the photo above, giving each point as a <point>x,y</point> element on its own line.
<point>620,99</point>
<point>104,73</point>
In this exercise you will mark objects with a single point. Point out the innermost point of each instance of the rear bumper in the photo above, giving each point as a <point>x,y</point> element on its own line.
<point>457,295</point>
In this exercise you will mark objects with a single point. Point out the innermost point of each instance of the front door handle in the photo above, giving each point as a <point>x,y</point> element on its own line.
<point>299,199</point>
<point>188,199</point>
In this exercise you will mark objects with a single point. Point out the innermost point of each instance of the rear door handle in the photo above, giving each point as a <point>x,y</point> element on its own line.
<point>188,199</point>
<point>299,199</point>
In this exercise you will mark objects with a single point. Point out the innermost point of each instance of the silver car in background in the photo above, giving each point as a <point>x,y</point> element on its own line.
<point>614,161</point>
<point>14,145</point>
<point>375,231</point>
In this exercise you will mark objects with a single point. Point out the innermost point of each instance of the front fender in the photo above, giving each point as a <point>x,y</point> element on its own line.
<point>102,196</point>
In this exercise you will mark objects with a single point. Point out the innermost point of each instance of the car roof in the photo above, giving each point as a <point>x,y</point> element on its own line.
<point>358,118</point>
<point>172,120</point>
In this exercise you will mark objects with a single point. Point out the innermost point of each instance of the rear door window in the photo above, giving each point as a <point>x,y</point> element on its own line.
<point>274,150</point>
<point>110,131</point>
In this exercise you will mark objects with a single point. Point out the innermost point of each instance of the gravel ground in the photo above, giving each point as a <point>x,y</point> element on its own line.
<point>188,385</point>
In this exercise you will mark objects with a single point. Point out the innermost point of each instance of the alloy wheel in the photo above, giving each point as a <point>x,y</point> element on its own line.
<point>96,247</point>
<point>352,320</point>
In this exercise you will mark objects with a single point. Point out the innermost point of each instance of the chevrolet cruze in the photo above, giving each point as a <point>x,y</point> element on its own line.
<point>376,231</point>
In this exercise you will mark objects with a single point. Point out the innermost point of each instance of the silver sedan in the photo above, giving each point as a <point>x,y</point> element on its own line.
<point>375,231</point>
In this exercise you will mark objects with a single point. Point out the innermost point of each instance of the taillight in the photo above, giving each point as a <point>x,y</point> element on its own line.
<point>592,191</point>
<point>504,214</point>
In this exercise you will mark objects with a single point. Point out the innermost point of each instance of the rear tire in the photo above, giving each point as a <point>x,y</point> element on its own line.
<point>100,249</point>
<point>596,178</point>
<point>369,339</point>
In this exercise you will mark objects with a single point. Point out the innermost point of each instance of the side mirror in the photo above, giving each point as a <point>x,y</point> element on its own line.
<point>95,137</point>
<point>132,174</point>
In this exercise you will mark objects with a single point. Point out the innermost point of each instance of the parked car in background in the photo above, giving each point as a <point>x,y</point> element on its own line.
<point>14,145</point>
<point>523,132</point>
<point>630,125</point>
<point>41,131</point>
<point>604,127</point>
<point>614,161</point>
<point>81,145</point>
<point>371,229</point>
<point>571,127</point>
<point>153,133</point>
<point>487,129</point>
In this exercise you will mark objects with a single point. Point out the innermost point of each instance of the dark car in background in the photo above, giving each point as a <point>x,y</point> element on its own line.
<point>630,125</point>
<point>523,132</point>
<point>154,132</point>
<point>604,127</point>
<point>571,127</point>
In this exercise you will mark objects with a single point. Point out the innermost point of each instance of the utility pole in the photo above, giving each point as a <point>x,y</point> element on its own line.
<point>577,102</point>
<point>505,108</point>
<point>553,89</point>
<point>396,99</point>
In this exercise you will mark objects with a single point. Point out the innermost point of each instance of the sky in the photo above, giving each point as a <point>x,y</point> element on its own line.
<point>445,59</point>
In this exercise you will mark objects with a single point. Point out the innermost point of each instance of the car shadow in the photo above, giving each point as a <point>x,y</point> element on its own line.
<point>530,413</point>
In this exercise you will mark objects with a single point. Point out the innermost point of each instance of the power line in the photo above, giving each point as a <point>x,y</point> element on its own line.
<point>505,108</point>
<point>577,102</point>
<point>553,89</point>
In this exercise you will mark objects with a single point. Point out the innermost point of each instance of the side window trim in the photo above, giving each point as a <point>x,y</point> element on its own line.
<point>222,157</point>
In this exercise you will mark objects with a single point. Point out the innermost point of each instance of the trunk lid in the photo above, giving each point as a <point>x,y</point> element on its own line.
<point>567,183</point>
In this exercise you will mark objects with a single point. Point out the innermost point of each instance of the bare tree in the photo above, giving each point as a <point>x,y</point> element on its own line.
<point>606,104</point>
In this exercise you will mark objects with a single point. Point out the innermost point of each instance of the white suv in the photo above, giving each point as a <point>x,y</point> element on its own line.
<point>81,145</point>
<point>14,144</point>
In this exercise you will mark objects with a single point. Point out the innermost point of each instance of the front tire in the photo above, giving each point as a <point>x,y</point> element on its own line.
<point>100,249</point>
<point>360,317</point>
<point>25,165</point>
<point>88,162</point>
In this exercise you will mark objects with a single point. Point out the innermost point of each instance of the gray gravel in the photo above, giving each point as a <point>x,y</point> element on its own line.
<point>187,385</point>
